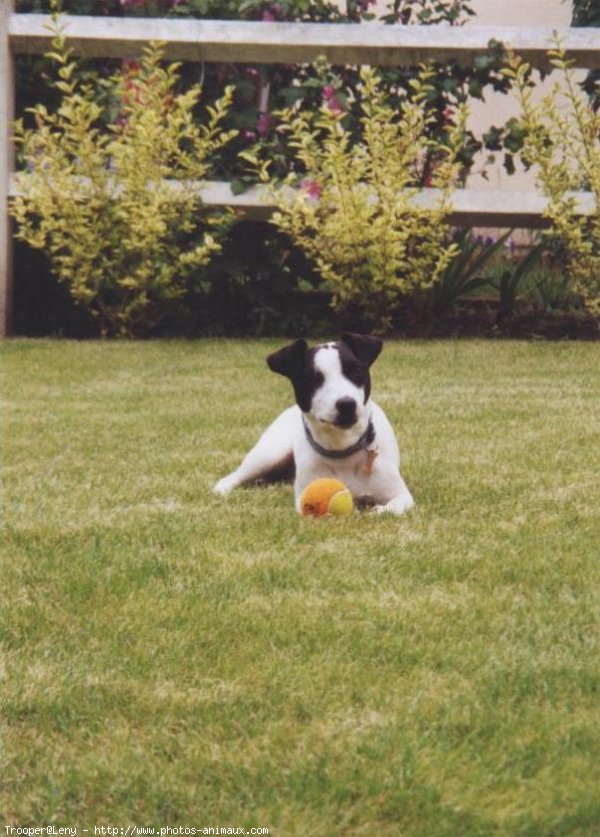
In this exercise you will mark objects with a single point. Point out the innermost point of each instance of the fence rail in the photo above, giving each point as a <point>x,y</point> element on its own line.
<point>272,43</point>
<point>489,208</point>
<point>294,43</point>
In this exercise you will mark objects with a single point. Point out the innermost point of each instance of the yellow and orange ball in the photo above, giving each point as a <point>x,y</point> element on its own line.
<point>326,496</point>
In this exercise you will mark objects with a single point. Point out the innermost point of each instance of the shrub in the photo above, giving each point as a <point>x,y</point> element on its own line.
<point>125,240</point>
<point>562,140</point>
<point>354,211</point>
<point>262,90</point>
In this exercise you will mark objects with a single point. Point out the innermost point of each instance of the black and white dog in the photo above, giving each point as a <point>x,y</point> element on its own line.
<point>334,430</point>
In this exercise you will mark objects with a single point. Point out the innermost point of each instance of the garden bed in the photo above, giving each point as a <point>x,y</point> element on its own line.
<point>478,317</point>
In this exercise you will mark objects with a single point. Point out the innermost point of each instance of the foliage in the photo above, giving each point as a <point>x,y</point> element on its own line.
<point>261,91</point>
<point>550,284</point>
<point>426,11</point>
<point>125,241</point>
<point>483,263</point>
<point>587,13</point>
<point>463,274</point>
<point>512,277</point>
<point>562,140</point>
<point>257,285</point>
<point>403,11</point>
<point>354,213</point>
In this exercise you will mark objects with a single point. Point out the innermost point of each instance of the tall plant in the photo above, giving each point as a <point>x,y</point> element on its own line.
<point>357,211</point>
<point>98,201</point>
<point>562,140</point>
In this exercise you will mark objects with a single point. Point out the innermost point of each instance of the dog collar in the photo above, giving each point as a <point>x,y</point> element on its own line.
<point>367,438</point>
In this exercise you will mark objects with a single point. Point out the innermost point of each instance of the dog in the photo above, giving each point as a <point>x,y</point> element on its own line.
<point>333,430</point>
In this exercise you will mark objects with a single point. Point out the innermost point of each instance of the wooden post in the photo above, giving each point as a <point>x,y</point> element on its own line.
<point>7,100</point>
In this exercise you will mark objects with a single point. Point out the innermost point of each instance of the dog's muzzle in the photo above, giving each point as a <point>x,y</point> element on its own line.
<point>346,412</point>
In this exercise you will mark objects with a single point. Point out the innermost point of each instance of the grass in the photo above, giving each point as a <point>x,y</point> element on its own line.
<point>173,658</point>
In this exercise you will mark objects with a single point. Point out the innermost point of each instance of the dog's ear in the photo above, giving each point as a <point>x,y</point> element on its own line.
<point>289,361</point>
<point>366,347</point>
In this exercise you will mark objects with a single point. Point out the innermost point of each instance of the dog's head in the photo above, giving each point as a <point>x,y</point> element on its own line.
<point>331,381</point>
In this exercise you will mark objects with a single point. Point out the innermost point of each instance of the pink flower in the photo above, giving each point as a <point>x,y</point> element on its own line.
<point>312,188</point>
<point>133,4</point>
<point>335,106</point>
<point>276,12</point>
<point>331,100</point>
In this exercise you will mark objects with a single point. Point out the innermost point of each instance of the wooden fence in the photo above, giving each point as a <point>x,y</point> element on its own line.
<point>272,43</point>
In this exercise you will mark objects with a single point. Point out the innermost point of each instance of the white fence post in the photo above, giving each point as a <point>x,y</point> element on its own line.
<point>7,102</point>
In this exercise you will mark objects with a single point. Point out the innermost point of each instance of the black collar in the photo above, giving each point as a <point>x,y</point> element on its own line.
<point>367,438</point>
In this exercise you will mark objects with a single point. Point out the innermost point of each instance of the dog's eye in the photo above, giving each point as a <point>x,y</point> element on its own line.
<point>355,372</point>
<point>314,379</point>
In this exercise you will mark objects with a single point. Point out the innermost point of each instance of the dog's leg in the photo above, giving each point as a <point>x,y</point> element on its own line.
<point>272,451</point>
<point>399,503</point>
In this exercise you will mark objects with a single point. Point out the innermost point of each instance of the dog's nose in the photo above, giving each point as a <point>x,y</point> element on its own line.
<point>346,408</point>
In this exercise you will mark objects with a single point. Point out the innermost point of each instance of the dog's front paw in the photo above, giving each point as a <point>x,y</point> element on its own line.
<point>225,486</point>
<point>397,505</point>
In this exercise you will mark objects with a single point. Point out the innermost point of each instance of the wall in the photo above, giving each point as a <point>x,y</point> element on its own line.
<point>497,107</point>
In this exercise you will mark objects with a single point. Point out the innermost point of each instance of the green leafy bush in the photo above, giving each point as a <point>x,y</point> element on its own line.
<point>116,210</point>
<point>263,90</point>
<point>355,212</point>
<point>562,140</point>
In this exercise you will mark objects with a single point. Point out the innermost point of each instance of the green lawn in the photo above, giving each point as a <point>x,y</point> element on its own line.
<point>173,658</point>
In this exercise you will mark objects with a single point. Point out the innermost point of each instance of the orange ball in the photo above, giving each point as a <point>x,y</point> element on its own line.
<point>326,496</point>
